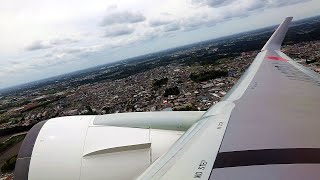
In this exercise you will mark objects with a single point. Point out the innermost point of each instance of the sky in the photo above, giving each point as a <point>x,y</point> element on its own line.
<point>45,38</point>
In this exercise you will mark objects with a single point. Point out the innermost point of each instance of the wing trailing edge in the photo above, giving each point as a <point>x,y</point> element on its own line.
<point>275,41</point>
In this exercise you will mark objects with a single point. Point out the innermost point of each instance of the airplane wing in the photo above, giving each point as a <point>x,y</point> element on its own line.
<point>267,127</point>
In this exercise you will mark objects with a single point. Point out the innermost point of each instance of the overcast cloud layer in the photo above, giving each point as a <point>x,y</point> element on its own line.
<point>44,38</point>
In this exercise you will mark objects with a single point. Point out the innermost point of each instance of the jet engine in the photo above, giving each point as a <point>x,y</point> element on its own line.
<point>115,146</point>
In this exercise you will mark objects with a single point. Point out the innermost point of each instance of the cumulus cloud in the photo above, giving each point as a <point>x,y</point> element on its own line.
<point>280,3</point>
<point>52,58</point>
<point>167,23</point>
<point>123,17</point>
<point>116,31</point>
<point>63,41</point>
<point>194,22</point>
<point>159,22</point>
<point>37,45</point>
<point>172,27</point>
<point>226,10</point>
<point>213,3</point>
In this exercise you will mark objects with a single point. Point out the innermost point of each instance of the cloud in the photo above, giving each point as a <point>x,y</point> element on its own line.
<point>13,62</point>
<point>54,58</point>
<point>257,4</point>
<point>116,31</point>
<point>194,22</point>
<point>63,41</point>
<point>159,22</point>
<point>171,27</point>
<point>124,17</point>
<point>280,3</point>
<point>71,52</point>
<point>37,45</point>
<point>166,24</point>
<point>213,3</point>
<point>112,7</point>
<point>146,35</point>
<point>226,10</point>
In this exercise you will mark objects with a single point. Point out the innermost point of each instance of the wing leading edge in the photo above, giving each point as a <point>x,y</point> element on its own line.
<point>275,41</point>
<point>265,128</point>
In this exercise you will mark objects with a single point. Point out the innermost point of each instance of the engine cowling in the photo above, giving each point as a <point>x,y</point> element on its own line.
<point>99,147</point>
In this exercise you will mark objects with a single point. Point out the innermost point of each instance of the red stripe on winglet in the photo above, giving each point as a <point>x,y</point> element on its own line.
<point>276,58</point>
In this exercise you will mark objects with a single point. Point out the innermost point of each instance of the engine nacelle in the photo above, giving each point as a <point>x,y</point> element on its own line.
<point>117,146</point>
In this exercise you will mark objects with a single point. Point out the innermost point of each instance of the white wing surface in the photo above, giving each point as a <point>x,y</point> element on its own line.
<point>267,127</point>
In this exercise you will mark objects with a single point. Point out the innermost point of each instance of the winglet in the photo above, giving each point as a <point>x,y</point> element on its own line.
<point>275,41</point>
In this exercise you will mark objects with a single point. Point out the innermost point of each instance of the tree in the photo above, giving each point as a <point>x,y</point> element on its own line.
<point>204,76</point>
<point>159,82</point>
<point>9,165</point>
<point>89,111</point>
<point>186,107</point>
<point>171,91</point>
